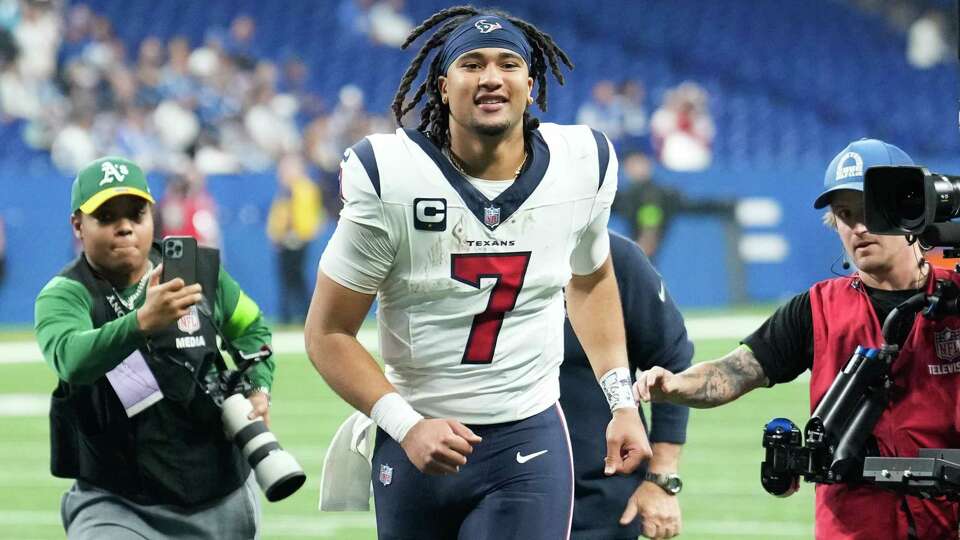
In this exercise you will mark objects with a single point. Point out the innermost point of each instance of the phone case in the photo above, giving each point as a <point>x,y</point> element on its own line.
<point>179,259</point>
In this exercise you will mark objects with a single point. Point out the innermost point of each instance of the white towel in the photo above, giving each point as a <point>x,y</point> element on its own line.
<point>345,480</point>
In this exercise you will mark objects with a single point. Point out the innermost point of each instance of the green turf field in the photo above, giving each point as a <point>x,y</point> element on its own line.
<point>722,497</point>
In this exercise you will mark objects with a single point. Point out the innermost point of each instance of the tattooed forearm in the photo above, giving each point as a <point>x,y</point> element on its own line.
<point>714,383</point>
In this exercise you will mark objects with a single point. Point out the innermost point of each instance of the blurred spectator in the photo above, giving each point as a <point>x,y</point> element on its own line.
<point>295,81</point>
<point>348,122</point>
<point>9,13</point>
<point>294,221</point>
<point>211,158</point>
<point>176,125</point>
<point>683,129</point>
<point>76,36</point>
<point>17,100</point>
<point>8,47</point>
<point>649,208</point>
<point>148,72</point>
<point>187,209</point>
<point>240,44</point>
<point>319,147</point>
<point>636,118</point>
<point>388,24</point>
<point>103,51</point>
<point>38,39</point>
<point>135,137</point>
<point>271,120</point>
<point>175,81</point>
<point>604,112</point>
<point>926,42</point>
<point>74,145</point>
<point>353,16</point>
<point>219,108</point>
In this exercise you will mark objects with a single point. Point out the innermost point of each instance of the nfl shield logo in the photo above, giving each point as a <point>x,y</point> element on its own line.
<point>190,322</point>
<point>948,344</point>
<point>491,216</point>
<point>386,474</point>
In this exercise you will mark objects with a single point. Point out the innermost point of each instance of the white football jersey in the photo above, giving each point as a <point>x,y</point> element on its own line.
<point>471,311</point>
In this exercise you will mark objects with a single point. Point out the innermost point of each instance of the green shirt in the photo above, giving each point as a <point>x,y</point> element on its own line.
<point>81,354</point>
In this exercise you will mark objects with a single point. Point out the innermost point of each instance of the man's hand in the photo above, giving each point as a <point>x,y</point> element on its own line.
<point>261,406</point>
<point>704,385</point>
<point>654,384</point>
<point>439,446</point>
<point>627,444</point>
<point>659,511</point>
<point>166,302</point>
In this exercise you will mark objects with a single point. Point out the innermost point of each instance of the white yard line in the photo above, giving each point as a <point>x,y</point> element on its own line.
<point>24,404</point>
<point>729,327</point>
<point>19,352</point>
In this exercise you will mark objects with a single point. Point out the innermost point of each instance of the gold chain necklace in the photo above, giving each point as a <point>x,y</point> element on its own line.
<point>457,164</point>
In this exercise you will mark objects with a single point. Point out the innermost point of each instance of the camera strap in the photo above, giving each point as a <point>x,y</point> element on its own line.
<point>132,379</point>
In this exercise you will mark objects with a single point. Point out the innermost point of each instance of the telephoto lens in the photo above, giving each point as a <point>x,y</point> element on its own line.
<point>907,200</point>
<point>277,472</point>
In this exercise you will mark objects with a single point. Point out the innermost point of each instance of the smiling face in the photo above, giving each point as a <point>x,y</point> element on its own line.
<point>874,254</point>
<point>488,91</point>
<point>116,237</point>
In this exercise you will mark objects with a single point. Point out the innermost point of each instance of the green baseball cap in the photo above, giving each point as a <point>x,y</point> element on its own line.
<point>104,179</point>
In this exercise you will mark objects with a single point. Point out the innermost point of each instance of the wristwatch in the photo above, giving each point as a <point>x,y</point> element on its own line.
<point>670,483</point>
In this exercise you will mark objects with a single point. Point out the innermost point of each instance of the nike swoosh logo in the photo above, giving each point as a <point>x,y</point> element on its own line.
<point>662,293</point>
<point>525,458</point>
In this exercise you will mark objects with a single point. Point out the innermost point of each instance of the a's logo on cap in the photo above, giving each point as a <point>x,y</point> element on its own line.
<point>845,170</point>
<point>113,172</point>
<point>486,27</point>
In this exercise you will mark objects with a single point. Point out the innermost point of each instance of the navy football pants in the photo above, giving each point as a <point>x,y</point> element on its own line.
<point>509,489</point>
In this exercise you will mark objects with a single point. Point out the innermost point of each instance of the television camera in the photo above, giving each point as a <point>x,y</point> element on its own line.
<point>836,444</point>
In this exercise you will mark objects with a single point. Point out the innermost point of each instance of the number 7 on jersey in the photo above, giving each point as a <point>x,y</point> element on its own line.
<point>509,270</point>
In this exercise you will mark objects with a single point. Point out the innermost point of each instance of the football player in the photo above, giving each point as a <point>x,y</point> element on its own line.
<point>471,231</point>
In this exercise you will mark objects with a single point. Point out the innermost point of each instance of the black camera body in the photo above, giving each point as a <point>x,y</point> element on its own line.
<point>905,200</point>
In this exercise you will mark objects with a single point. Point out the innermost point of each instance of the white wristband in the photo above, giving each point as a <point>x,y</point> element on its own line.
<point>618,389</point>
<point>394,415</point>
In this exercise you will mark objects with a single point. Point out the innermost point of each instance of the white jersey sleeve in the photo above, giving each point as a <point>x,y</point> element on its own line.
<point>357,256</point>
<point>593,246</point>
<point>360,188</point>
<point>360,253</point>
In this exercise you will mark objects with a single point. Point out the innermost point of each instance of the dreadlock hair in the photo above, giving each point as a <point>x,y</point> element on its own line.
<point>434,115</point>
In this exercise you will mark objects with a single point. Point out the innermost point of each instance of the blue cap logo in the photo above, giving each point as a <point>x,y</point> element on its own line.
<point>847,168</point>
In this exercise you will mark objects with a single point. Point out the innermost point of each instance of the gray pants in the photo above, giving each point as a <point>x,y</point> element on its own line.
<point>91,513</point>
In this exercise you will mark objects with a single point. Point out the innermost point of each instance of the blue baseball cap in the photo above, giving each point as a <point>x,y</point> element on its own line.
<point>847,168</point>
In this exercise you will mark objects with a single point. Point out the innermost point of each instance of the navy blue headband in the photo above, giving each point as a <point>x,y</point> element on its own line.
<point>483,31</point>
